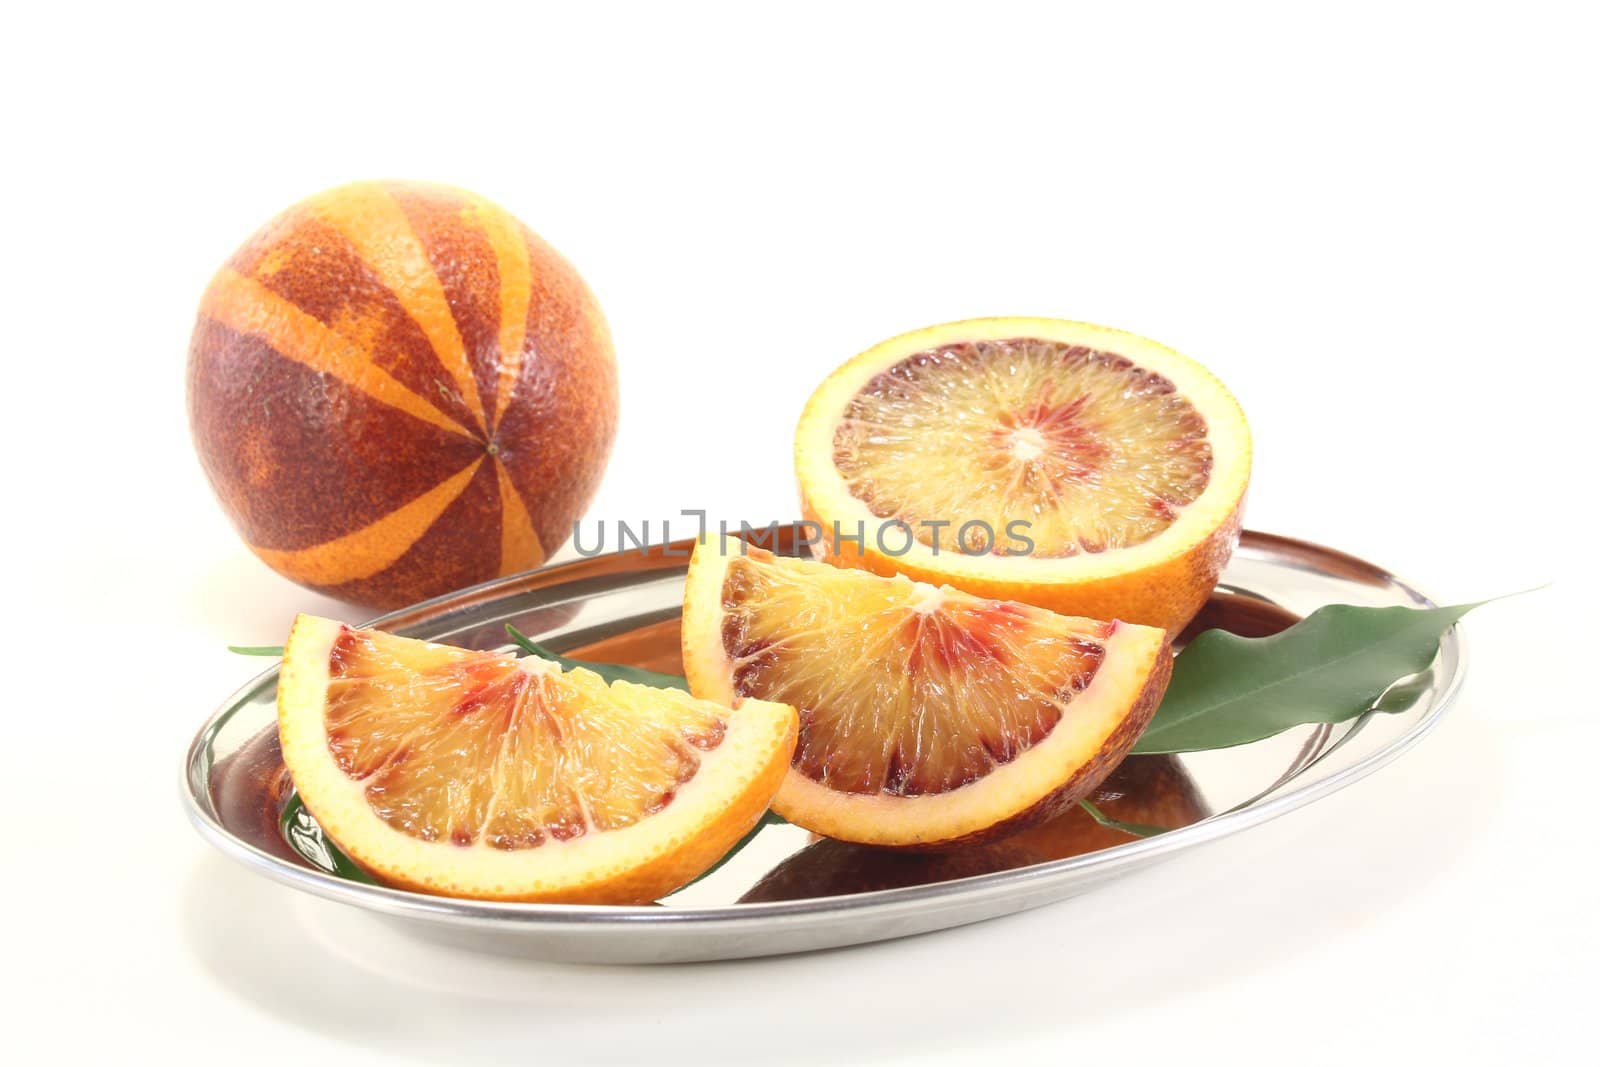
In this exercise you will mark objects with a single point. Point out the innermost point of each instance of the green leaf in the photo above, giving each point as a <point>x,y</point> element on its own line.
<point>306,837</point>
<point>257,650</point>
<point>611,672</point>
<point>1333,665</point>
<point>1137,829</point>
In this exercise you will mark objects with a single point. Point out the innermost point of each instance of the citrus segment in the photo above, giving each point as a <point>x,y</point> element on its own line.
<point>478,774</point>
<point>1071,466</point>
<point>927,715</point>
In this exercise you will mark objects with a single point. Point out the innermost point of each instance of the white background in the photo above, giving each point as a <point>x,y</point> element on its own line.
<point>1377,225</point>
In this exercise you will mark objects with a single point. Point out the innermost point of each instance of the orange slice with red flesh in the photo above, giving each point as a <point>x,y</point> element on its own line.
<point>477,774</point>
<point>928,716</point>
<point>1083,469</point>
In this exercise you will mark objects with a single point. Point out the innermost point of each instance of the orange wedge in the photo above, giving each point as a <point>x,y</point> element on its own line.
<point>928,716</point>
<point>482,775</point>
<point>1079,468</point>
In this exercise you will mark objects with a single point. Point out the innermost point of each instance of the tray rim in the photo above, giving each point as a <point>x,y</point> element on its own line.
<point>885,903</point>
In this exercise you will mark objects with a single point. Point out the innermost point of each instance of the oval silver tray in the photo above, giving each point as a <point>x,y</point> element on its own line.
<point>786,892</point>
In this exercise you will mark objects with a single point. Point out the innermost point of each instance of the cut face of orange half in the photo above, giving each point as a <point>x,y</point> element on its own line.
<point>1079,468</point>
<point>927,716</point>
<point>482,775</point>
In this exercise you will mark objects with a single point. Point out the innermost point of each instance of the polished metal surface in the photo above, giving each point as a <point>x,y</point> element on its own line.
<point>783,892</point>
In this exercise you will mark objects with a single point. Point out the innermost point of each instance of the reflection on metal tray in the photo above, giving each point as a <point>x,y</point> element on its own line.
<point>788,892</point>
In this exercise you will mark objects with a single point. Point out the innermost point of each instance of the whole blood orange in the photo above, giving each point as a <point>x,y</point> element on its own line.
<point>1079,468</point>
<point>398,389</point>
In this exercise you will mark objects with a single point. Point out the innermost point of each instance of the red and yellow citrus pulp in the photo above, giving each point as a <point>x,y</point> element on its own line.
<point>482,775</point>
<point>928,716</point>
<point>1071,466</point>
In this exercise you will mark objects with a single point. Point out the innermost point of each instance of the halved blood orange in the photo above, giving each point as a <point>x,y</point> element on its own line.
<point>482,775</point>
<point>1083,469</point>
<point>928,716</point>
